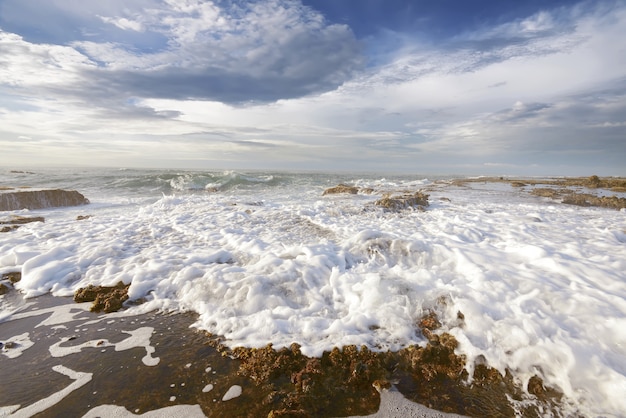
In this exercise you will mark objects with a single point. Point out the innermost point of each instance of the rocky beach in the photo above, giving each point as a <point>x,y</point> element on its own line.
<point>365,297</point>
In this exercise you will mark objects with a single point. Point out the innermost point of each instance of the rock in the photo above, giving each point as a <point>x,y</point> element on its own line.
<point>346,381</point>
<point>341,188</point>
<point>547,192</point>
<point>15,222</point>
<point>417,200</point>
<point>583,199</point>
<point>13,277</point>
<point>104,298</point>
<point>39,199</point>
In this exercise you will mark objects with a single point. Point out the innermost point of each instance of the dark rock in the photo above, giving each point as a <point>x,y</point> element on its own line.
<point>39,199</point>
<point>104,298</point>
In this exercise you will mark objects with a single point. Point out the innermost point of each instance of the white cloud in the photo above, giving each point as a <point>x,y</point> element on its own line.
<point>124,23</point>
<point>24,64</point>
<point>274,82</point>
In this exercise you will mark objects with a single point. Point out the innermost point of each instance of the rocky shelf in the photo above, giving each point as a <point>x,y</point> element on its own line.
<point>40,199</point>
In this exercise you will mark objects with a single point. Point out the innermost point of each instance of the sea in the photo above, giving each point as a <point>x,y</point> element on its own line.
<point>265,257</point>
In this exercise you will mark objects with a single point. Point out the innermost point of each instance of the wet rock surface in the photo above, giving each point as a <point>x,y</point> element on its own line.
<point>15,222</point>
<point>105,298</point>
<point>567,190</point>
<point>7,280</point>
<point>343,382</point>
<point>40,199</point>
<point>417,200</point>
<point>195,368</point>
<point>341,188</point>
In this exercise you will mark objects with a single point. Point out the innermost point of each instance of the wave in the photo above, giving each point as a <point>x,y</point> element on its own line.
<point>171,182</point>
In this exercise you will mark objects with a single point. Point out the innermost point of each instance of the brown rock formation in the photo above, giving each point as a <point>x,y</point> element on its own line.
<point>12,278</point>
<point>417,200</point>
<point>104,298</point>
<point>15,222</point>
<point>341,188</point>
<point>39,199</point>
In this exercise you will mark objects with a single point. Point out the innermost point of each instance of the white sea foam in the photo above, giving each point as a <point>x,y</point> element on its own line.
<point>232,393</point>
<point>113,411</point>
<point>80,379</point>
<point>139,337</point>
<point>14,347</point>
<point>541,285</point>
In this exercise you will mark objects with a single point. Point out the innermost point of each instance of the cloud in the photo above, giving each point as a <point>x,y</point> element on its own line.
<point>273,83</point>
<point>124,24</point>
<point>229,51</point>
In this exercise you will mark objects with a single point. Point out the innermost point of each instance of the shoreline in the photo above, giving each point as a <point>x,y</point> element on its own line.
<point>419,255</point>
<point>59,358</point>
<point>159,362</point>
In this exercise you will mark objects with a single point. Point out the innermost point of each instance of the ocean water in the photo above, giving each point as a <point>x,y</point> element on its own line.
<point>265,258</point>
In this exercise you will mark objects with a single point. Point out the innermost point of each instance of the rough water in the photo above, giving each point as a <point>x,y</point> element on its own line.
<point>264,257</point>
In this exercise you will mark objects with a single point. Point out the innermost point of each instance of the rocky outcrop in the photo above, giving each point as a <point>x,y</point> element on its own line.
<point>341,188</point>
<point>345,381</point>
<point>39,199</point>
<point>584,199</point>
<point>417,200</point>
<point>104,298</point>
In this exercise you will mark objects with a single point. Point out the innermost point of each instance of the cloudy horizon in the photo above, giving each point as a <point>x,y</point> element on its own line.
<point>463,87</point>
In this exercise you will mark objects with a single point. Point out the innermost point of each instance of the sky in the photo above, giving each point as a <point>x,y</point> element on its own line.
<point>507,87</point>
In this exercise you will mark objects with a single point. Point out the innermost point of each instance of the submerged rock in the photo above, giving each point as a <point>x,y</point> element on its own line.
<point>104,298</point>
<point>16,221</point>
<point>39,199</point>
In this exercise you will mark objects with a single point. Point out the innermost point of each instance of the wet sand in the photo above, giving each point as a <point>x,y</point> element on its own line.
<point>58,360</point>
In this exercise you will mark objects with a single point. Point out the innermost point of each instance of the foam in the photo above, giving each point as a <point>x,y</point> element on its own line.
<point>57,315</point>
<point>18,344</point>
<point>113,411</point>
<point>80,379</point>
<point>232,393</point>
<point>139,337</point>
<point>541,285</point>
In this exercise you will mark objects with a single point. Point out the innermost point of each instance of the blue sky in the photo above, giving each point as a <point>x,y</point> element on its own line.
<point>523,87</point>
